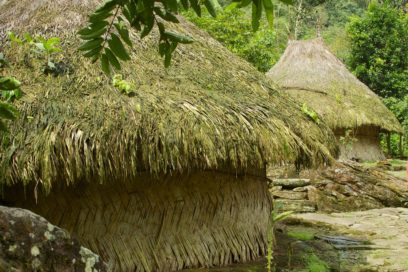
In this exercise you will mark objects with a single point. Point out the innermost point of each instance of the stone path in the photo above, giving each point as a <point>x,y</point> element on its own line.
<point>386,229</point>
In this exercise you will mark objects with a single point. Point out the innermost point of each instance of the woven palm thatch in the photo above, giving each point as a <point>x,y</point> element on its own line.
<point>171,177</point>
<point>210,110</point>
<point>313,75</point>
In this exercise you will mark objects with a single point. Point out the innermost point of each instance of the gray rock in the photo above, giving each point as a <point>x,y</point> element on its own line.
<point>291,183</point>
<point>28,242</point>
<point>290,195</point>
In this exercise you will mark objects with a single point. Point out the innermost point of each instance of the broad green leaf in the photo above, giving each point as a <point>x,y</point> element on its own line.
<point>107,6</point>
<point>7,111</point>
<point>268,5</point>
<point>116,45</point>
<point>281,216</point>
<point>209,4</point>
<point>148,27</point>
<point>93,27</point>
<point>123,32</point>
<point>92,44</point>
<point>105,64</point>
<point>97,17</point>
<point>28,38</point>
<point>93,52</point>
<point>288,2</point>
<point>94,34</point>
<point>196,7</point>
<point>256,14</point>
<point>231,6</point>
<point>176,37</point>
<point>244,3</point>
<point>9,83</point>
<point>186,4</point>
<point>112,59</point>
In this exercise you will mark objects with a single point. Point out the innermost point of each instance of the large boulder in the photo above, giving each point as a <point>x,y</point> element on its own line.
<point>28,242</point>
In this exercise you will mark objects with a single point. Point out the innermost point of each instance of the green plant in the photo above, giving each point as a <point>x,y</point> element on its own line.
<point>379,49</point>
<point>310,113</point>
<point>7,111</point>
<point>315,264</point>
<point>274,218</point>
<point>40,46</point>
<point>348,139</point>
<point>301,235</point>
<point>107,31</point>
<point>122,85</point>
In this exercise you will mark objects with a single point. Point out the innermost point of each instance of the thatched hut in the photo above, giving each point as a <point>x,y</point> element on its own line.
<point>311,74</point>
<point>170,177</point>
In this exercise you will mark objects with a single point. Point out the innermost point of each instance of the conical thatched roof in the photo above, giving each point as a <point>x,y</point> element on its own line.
<point>209,110</point>
<point>313,75</point>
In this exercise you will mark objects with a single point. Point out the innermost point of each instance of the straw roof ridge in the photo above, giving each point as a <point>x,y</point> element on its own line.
<point>313,75</point>
<point>210,110</point>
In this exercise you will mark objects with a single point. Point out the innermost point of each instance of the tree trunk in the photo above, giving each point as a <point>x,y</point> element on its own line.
<point>298,18</point>
<point>401,146</point>
<point>389,145</point>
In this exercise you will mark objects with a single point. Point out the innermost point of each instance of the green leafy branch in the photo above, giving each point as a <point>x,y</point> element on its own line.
<point>7,111</point>
<point>310,113</point>
<point>46,48</point>
<point>106,37</point>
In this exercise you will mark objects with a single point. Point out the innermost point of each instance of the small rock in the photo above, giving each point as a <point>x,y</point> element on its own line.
<point>291,183</point>
<point>290,195</point>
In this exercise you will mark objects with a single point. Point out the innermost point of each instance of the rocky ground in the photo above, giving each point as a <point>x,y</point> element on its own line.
<point>28,242</point>
<point>385,230</point>
<point>343,187</point>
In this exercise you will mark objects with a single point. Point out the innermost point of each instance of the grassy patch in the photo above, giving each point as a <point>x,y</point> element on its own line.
<point>399,174</point>
<point>301,235</point>
<point>315,264</point>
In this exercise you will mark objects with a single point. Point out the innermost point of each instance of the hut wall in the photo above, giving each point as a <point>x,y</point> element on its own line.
<point>197,220</point>
<point>365,147</point>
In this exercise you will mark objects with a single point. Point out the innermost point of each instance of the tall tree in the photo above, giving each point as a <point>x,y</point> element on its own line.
<point>379,49</point>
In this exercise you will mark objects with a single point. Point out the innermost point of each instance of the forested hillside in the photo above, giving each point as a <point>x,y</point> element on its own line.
<point>370,37</point>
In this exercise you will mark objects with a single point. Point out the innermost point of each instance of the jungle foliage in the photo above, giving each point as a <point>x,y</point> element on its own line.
<point>107,35</point>
<point>379,58</point>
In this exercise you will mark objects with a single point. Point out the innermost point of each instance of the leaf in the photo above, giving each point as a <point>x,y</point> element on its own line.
<point>28,38</point>
<point>9,83</point>
<point>105,65</point>
<point>186,4</point>
<point>179,38</point>
<point>2,126</point>
<point>91,44</point>
<point>281,216</point>
<point>244,3</point>
<point>166,15</point>
<point>196,7</point>
<point>231,6</point>
<point>148,27</point>
<point>96,17</point>
<point>106,6</point>
<point>288,2</point>
<point>7,111</point>
<point>116,45</point>
<point>92,28</point>
<point>123,32</point>
<point>93,52</point>
<point>256,14</point>
<point>112,59</point>
<point>209,4</point>
<point>94,34</point>
<point>268,5</point>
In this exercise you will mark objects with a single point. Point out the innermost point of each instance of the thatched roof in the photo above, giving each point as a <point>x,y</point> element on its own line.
<point>210,110</point>
<point>313,75</point>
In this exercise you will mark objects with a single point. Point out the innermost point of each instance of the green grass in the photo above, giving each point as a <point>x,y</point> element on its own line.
<point>399,174</point>
<point>301,235</point>
<point>315,264</point>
